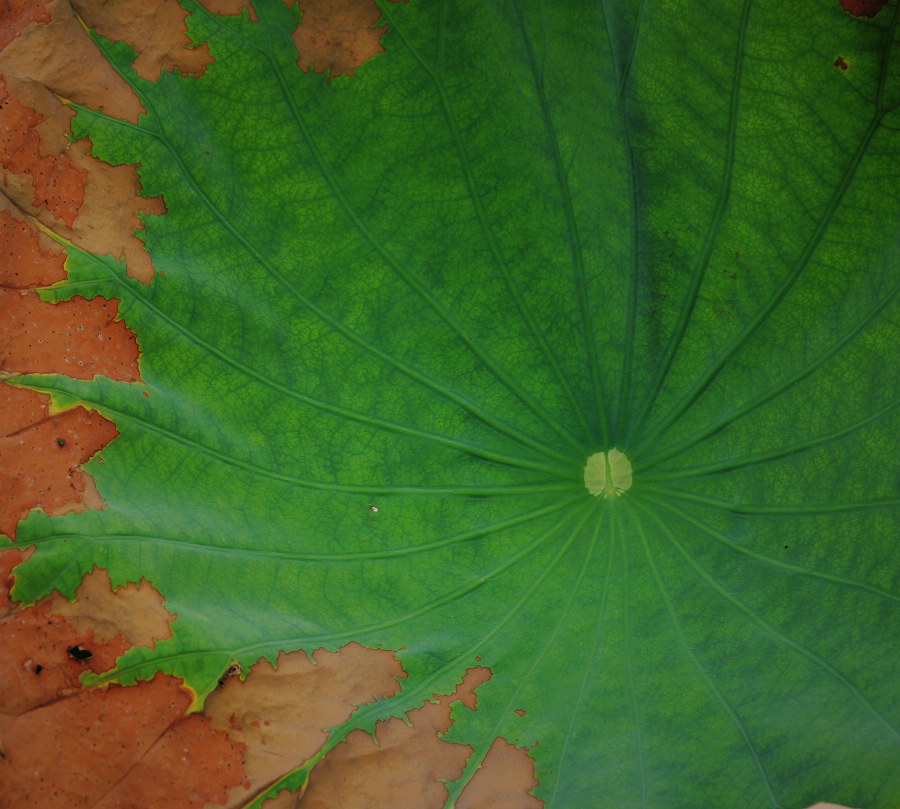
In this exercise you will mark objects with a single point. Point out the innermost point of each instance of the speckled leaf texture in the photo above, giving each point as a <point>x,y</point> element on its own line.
<point>396,313</point>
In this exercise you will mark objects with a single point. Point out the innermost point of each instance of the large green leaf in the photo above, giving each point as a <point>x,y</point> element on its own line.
<point>400,310</point>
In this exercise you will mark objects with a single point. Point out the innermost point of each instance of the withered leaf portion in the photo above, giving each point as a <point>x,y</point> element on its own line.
<point>96,205</point>
<point>337,36</point>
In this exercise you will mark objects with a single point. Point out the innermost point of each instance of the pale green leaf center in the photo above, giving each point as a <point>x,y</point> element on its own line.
<point>608,474</point>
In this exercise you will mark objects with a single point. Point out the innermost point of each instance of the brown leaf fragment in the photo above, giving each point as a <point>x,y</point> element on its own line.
<point>407,766</point>
<point>60,55</point>
<point>107,212</point>
<point>337,36</point>
<point>155,29</point>
<point>36,667</point>
<point>127,747</point>
<point>55,183</point>
<point>281,713</point>
<point>40,463</point>
<point>503,781</point>
<point>17,15</point>
<point>49,645</point>
<point>191,765</point>
<point>133,611</point>
<point>29,258</point>
<point>78,338</point>
<point>112,213</point>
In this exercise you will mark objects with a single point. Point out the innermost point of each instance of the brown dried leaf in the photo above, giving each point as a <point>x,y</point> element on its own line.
<point>79,338</point>
<point>96,205</point>
<point>19,15</point>
<point>108,747</point>
<point>45,181</point>
<point>42,452</point>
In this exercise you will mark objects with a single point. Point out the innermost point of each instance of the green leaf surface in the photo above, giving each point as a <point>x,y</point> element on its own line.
<point>397,313</point>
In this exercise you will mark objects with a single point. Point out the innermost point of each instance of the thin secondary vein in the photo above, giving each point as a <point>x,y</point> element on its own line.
<point>733,464</point>
<point>766,627</point>
<point>717,695</point>
<point>702,264</point>
<point>773,392</point>
<point>489,235</point>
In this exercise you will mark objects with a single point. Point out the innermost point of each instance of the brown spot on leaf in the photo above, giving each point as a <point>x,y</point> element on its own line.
<point>839,62</point>
<point>281,712</point>
<point>863,8</point>
<point>19,15</point>
<point>104,216</point>
<point>55,184</point>
<point>155,29</point>
<point>44,644</point>
<point>39,473</point>
<point>28,258</point>
<point>121,746</point>
<point>133,611</point>
<point>404,770</point>
<point>60,55</point>
<point>79,338</point>
<point>504,781</point>
<point>337,36</point>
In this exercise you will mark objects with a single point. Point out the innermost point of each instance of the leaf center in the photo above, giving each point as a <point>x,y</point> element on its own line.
<point>608,474</point>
